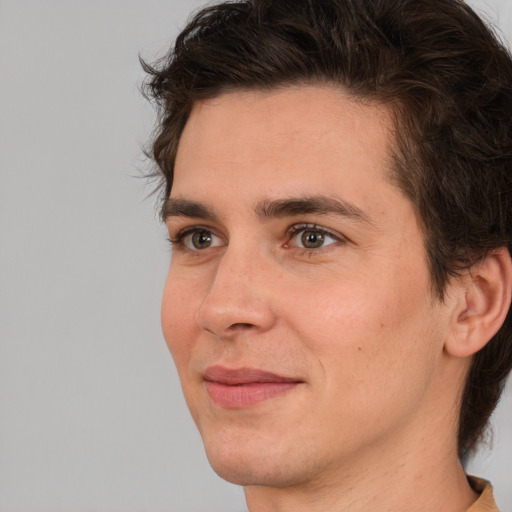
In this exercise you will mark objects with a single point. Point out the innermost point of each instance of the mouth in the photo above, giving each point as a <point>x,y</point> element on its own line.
<point>245,387</point>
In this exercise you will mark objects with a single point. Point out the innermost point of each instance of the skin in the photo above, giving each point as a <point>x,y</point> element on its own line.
<point>372,424</point>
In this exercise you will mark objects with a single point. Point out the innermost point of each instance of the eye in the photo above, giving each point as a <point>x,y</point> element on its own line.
<point>198,239</point>
<point>312,237</point>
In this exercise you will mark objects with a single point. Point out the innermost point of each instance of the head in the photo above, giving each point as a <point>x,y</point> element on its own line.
<point>445,84</point>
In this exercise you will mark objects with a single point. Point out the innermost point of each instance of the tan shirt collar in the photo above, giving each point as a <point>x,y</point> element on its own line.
<point>485,503</point>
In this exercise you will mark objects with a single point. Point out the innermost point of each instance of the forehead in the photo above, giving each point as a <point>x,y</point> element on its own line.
<point>314,137</point>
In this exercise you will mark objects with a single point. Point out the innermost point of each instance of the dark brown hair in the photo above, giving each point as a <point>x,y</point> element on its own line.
<point>442,72</point>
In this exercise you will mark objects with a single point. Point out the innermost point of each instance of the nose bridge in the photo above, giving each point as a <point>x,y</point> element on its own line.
<point>238,296</point>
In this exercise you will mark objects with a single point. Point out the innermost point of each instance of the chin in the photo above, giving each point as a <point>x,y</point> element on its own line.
<point>244,465</point>
<point>253,473</point>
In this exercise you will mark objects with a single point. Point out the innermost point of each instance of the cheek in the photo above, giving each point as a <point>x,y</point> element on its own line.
<point>178,317</point>
<point>375,360</point>
<point>369,336</point>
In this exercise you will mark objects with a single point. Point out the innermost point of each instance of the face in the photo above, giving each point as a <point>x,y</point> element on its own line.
<point>298,306</point>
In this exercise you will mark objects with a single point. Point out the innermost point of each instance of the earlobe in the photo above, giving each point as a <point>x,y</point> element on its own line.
<point>484,298</point>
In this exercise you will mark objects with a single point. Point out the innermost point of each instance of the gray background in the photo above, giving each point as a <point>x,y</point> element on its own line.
<point>91,415</point>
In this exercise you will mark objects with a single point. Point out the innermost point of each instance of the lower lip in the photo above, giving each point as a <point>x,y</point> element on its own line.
<point>246,395</point>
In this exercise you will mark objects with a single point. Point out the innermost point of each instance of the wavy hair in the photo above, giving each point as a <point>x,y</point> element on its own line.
<point>445,76</point>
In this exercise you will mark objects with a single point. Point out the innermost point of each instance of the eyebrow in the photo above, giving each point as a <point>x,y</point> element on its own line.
<point>177,207</point>
<point>318,205</point>
<point>268,209</point>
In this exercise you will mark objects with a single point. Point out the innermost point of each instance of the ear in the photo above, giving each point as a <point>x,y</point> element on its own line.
<point>482,303</point>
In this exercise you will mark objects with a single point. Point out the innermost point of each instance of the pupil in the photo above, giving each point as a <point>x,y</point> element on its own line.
<point>201,239</point>
<point>312,239</point>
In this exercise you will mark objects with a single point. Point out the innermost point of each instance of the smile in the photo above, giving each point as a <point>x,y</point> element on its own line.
<point>244,387</point>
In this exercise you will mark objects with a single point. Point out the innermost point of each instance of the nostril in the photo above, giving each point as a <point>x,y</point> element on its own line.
<point>241,325</point>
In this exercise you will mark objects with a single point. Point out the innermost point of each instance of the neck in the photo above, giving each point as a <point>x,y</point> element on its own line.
<point>392,489</point>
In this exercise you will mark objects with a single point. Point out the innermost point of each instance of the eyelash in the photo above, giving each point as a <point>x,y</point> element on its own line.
<point>298,228</point>
<point>178,241</point>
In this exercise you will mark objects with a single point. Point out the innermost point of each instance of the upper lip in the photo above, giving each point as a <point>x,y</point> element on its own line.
<point>234,376</point>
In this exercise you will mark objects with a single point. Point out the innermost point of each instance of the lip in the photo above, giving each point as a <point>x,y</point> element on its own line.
<point>240,388</point>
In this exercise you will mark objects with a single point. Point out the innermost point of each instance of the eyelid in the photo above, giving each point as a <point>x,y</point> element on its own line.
<point>297,228</point>
<point>187,230</point>
<point>178,240</point>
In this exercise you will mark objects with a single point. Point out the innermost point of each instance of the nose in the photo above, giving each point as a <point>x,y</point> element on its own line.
<point>239,298</point>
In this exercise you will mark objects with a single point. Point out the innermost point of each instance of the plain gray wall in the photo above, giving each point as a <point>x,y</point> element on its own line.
<point>91,414</point>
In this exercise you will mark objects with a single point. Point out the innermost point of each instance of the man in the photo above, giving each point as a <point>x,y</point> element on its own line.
<point>337,188</point>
